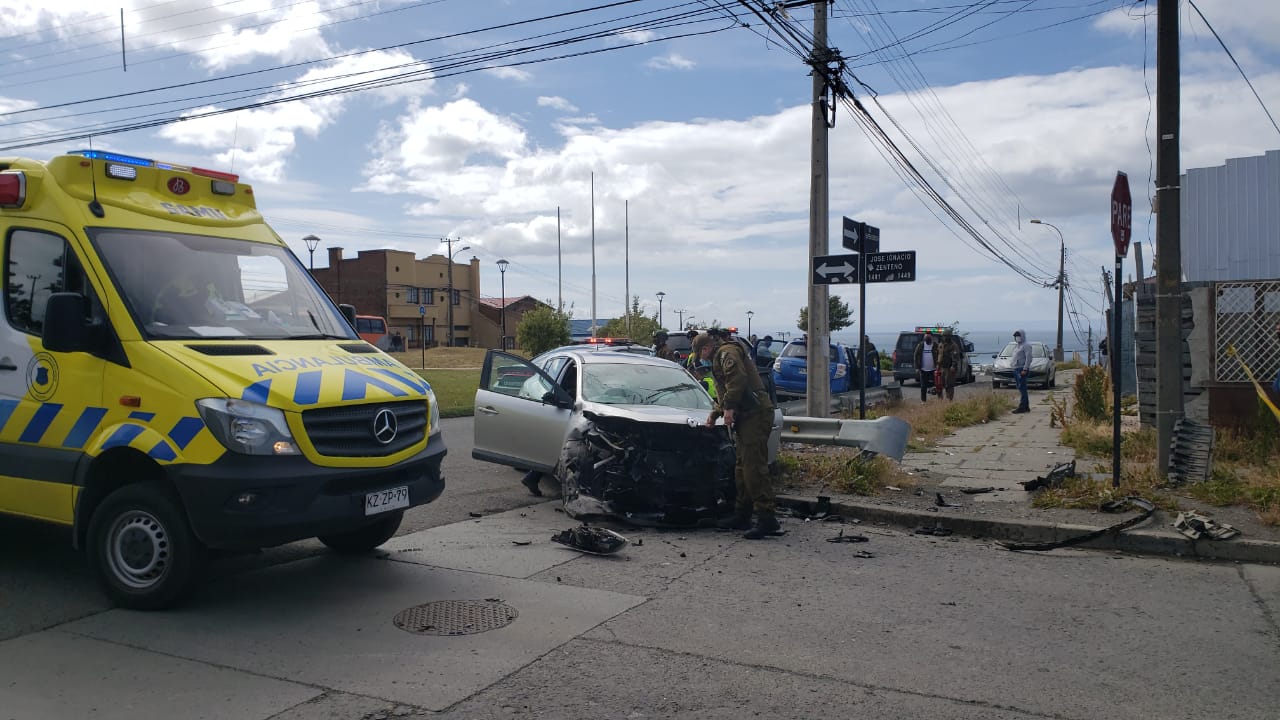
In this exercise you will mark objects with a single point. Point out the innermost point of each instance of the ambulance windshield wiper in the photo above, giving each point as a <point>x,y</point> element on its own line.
<point>317,336</point>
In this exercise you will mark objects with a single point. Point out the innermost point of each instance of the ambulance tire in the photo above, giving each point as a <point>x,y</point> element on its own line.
<point>142,549</point>
<point>364,539</point>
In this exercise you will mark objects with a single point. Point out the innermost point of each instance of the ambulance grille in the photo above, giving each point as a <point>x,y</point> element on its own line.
<point>348,431</point>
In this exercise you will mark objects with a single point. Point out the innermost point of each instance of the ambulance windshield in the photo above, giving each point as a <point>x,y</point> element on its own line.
<point>181,286</point>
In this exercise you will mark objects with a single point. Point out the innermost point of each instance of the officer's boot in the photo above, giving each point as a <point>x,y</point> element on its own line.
<point>766,524</point>
<point>739,520</point>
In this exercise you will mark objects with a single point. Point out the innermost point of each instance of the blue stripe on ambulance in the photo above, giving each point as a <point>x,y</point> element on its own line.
<point>88,421</point>
<point>354,384</point>
<point>257,392</point>
<point>162,451</point>
<point>422,386</point>
<point>40,422</point>
<point>140,415</point>
<point>307,389</point>
<point>185,431</point>
<point>6,409</point>
<point>123,436</point>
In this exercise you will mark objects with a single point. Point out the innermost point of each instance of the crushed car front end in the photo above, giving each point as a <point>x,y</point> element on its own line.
<point>646,468</point>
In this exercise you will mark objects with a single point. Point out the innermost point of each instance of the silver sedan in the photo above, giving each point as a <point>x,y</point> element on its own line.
<point>623,434</point>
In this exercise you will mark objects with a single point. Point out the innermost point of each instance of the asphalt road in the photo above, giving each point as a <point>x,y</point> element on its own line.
<point>689,624</point>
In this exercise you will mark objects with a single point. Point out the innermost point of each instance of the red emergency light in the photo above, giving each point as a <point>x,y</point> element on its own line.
<point>13,188</point>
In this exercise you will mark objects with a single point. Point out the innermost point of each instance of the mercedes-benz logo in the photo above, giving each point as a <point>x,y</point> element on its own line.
<point>385,426</point>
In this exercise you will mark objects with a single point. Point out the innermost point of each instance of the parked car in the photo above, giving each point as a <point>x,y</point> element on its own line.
<point>1043,371</point>
<point>904,359</point>
<point>680,346</point>
<point>855,369</point>
<point>623,434</point>
<point>790,371</point>
<point>767,352</point>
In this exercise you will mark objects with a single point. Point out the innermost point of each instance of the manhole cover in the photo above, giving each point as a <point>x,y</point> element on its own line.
<point>456,617</point>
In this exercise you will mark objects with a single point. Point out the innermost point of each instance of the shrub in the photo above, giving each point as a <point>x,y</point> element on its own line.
<point>1092,388</point>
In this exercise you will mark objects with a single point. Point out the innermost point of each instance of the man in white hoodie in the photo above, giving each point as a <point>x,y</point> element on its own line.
<point>1021,368</point>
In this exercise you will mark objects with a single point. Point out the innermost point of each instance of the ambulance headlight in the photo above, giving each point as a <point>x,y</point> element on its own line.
<point>246,427</point>
<point>433,419</point>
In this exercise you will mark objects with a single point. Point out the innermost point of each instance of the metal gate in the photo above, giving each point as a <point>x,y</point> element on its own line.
<point>1246,316</point>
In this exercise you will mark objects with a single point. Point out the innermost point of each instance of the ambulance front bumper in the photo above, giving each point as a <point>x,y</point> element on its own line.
<point>243,502</point>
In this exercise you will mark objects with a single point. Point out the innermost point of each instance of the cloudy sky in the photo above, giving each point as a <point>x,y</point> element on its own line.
<point>393,123</point>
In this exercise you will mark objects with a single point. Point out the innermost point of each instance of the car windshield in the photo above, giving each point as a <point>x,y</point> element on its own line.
<point>800,350</point>
<point>907,341</point>
<point>642,384</point>
<point>181,286</point>
<point>1008,350</point>
<point>769,349</point>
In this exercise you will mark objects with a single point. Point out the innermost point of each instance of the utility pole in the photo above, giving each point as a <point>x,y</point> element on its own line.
<point>818,383</point>
<point>1089,350</point>
<point>681,314</point>
<point>449,298</point>
<point>1168,243</point>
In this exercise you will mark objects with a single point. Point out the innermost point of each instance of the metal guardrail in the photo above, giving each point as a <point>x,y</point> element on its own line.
<point>884,436</point>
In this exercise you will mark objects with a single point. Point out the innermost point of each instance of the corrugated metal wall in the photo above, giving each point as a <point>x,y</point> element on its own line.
<point>1231,220</point>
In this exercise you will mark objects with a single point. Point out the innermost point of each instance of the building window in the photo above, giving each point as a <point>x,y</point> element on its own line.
<point>428,297</point>
<point>457,297</point>
<point>411,296</point>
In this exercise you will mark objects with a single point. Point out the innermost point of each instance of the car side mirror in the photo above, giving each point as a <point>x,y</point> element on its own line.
<point>348,312</point>
<point>993,356</point>
<point>558,397</point>
<point>65,329</point>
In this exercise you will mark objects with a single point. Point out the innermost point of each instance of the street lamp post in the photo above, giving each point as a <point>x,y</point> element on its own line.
<point>1061,283</point>
<point>660,296</point>
<point>749,314</point>
<point>449,299</point>
<point>502,271</point>
<point>312,243</point>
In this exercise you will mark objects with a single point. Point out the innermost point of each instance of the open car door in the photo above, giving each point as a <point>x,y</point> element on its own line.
<point>522,415</point>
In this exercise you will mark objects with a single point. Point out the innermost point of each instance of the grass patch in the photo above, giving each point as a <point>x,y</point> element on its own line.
<point>1072,364</point>
<point>455,390</point>
<point>842,470</point>
<point>1088,494</point>
<point>444,357</point>
<point>932,421</point>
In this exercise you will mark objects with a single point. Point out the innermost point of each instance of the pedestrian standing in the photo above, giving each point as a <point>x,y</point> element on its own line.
<point>926,359</point>
<point>660,347</point>
<point>748,413</point>
<point>1021,368</point>
<point>950,352</point>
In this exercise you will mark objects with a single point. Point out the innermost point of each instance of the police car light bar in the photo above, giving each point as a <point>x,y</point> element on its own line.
<point>114,157</point>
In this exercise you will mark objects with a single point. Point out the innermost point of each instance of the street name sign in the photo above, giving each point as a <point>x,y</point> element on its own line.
<point>891,267</point>
<point>860,237</point>
<point>1121,214</point>
<point>835,269</point>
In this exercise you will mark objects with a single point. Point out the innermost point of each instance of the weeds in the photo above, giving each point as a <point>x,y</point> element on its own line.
<point>845,471</point>
<point>936,419</point>
<point>1092,388</point>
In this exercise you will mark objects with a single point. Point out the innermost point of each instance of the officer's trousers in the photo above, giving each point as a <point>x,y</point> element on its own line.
<point>751,469</point>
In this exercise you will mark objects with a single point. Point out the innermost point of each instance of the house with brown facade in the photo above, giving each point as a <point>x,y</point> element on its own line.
<point>414,296</point>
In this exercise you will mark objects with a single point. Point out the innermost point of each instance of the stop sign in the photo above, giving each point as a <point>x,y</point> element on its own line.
<point>1121,214</point>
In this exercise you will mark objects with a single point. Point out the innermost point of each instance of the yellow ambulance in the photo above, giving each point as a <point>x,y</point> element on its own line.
<point>173,381</point>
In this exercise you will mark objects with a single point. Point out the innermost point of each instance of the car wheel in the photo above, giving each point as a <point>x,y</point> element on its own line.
<point>366,538</point>
<point>141,547</point>
<point>995,385</point>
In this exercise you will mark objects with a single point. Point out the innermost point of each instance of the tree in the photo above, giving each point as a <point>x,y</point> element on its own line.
<point>838,315</point>
<point>543,328</point>
<point>640,327</point>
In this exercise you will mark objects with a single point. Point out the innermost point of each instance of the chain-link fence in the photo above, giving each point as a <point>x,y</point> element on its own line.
<point>1246,317</point>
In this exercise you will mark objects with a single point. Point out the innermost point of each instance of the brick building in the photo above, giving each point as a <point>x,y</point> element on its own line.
<point>412,295</point>
<point>488,329</point>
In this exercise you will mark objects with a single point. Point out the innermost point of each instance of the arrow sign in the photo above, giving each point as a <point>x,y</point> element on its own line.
<point>835,269</point>
<point>860,237</point>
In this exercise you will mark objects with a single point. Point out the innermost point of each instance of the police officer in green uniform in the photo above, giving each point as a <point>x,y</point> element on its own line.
<point>748,413</point>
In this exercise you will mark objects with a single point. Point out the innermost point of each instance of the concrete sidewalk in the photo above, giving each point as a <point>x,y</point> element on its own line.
<point>1014,449</point>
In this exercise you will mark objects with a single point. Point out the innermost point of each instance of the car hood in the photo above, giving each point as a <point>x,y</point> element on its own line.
<point>648,413</point>
<point>1006,363</point>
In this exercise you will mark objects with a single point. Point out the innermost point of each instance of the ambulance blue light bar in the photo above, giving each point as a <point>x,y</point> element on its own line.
<point>114,157</point>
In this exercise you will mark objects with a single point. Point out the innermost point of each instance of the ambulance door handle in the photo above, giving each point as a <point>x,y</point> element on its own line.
<point>7,364</point>
<point>484,409</point>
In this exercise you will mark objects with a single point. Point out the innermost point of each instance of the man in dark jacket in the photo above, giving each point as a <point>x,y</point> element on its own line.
<point>927,357</point>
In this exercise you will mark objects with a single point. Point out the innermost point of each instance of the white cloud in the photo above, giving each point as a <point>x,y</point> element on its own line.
<point>672,61</point>
<point>261,139</point>
<point>510,73</point>
<point>556,102</point>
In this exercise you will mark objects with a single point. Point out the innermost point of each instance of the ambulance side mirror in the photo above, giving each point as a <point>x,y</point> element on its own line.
<point>65,329</point>
<point>348,312</point>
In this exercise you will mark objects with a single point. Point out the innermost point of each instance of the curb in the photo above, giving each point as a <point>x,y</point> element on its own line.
<point>1145,541</point>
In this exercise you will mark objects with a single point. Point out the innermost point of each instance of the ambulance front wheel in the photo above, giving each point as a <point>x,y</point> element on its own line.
<point>365,538</point>
<point>142,549</point>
